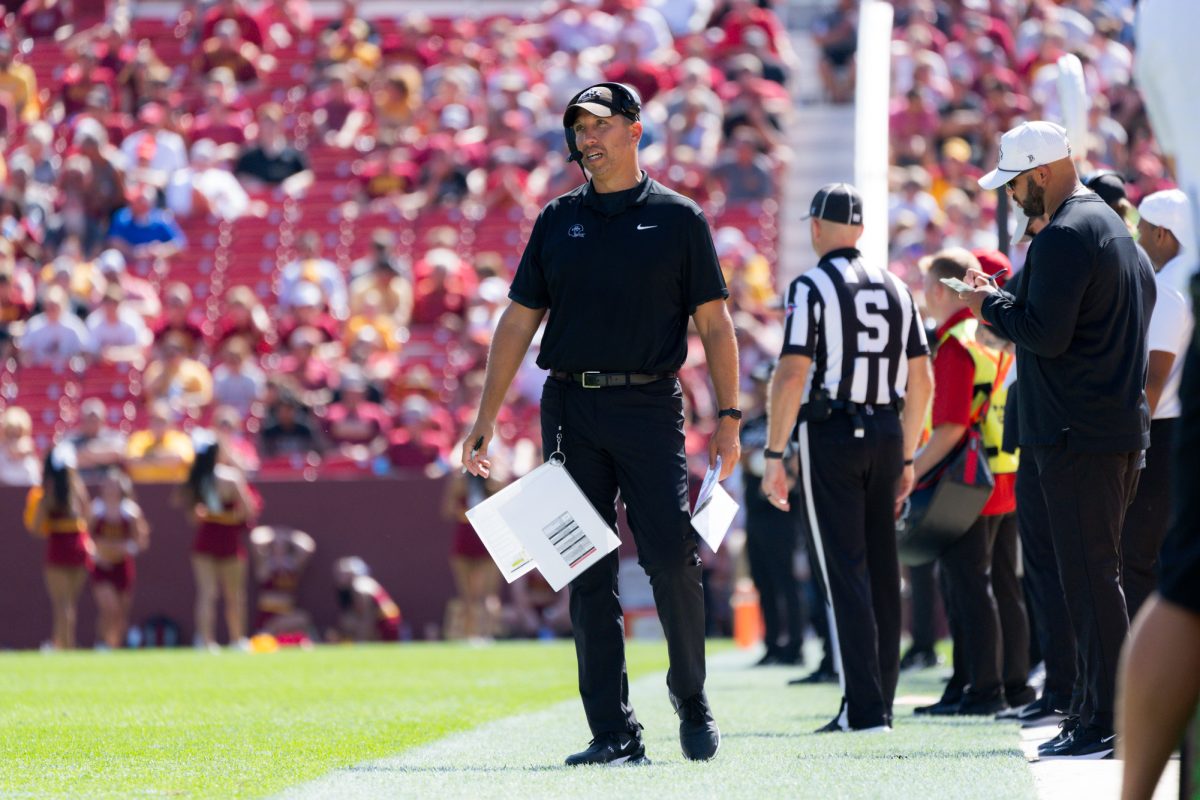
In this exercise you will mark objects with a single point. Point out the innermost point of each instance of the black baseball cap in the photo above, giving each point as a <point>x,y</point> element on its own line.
<point>599,100</point>
<point>837,202</point>
<point>1108,184</point>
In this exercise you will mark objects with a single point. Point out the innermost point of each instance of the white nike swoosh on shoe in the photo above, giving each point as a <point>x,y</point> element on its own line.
<point>1108,739</point>
<point>641,227</point>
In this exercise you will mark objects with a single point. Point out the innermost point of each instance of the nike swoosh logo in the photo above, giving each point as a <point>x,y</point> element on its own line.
<point>645,227</point>
<point>1108,739</point>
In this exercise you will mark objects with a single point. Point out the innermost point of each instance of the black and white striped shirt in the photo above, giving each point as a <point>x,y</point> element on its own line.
<point>859,325</point>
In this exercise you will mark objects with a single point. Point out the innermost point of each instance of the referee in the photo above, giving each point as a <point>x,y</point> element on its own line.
<point>617,268</point>
<point>855,327</point>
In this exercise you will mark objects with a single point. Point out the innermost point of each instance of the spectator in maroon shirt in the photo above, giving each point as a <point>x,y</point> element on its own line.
<point>913,122</point>
<point>244,318</point>
<point>248,27</point>
<point>647,77</point>
<point>308,311</point>
<point>84,74</point>
<point>177,317</point>
<point>226,48</point>
<point>357,427</point>
<point>440,294</point>
<point>302,371</point>
<point>387,173</point>
<point>219,120</point>
<point>43,19</point>
<point>340,110</point>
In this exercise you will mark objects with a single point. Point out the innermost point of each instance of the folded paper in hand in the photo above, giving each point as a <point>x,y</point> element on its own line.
<point>715,509</point>
<point>543,521</point>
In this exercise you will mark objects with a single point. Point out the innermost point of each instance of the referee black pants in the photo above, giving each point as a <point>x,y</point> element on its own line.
<point>1087,495</point>
<point>1146,520</point>
<point>630,440</point>
<point>850,492</point>
<point>1048,605</point>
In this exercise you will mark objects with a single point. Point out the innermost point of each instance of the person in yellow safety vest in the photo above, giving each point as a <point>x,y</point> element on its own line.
<point>979,577</point>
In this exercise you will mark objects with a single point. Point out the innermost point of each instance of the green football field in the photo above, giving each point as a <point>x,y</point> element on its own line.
<point>191,724</point>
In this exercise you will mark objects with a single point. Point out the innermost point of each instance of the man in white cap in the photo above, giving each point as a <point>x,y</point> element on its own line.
<point>1165,224</point>
<point>1079,323</point>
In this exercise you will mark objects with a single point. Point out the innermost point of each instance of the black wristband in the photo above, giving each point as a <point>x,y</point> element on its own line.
<point>908,462</point>
<point>736,413</point>
<point>769,453</point>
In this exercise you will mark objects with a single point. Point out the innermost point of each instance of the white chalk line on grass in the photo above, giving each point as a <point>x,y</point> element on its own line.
<point>768,750</point>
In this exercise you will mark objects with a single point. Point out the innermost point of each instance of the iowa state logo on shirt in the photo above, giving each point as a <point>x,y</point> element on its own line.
<point>575,231</point>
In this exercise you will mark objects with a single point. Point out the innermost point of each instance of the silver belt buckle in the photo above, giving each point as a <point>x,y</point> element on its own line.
<point>583,379</point>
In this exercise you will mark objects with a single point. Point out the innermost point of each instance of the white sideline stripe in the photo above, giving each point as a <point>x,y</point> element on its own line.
<point>806,475</point>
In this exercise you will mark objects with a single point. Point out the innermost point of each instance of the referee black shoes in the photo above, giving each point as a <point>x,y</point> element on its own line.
<point>612,749</point>
<point>698,733</point>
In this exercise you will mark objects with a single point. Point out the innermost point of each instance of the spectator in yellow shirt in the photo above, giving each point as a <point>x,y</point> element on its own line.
<point>183,382</point>
<point>161,453</point>
<point>18,83</point>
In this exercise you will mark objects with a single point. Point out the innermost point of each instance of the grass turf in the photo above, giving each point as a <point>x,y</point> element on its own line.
<point>190,724</point>
<point>768,750</point>
<point>182,723</point>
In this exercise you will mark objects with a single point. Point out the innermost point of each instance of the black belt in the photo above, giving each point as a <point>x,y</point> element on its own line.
<point>852,408</point>
<point>604,380</point>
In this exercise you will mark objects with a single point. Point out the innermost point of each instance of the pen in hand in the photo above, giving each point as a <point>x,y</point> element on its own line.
<point>1000,273</point>
<point>474,449</point>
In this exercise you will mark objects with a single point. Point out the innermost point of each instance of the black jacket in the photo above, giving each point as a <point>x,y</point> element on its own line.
<point>1079,321</point>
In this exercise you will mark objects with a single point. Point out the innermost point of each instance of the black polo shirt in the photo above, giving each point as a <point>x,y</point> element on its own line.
<point>621,274</point>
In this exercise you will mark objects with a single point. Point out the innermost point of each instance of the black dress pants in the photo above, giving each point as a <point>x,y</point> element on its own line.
<point>771,539</point>
<point>1146,521</point>
<point>850,484</point>
<point>1056,638</point>
<point>967,567</point>
<point>923,596</point>
<point>1087,495</point>
<point>1010,606</point>
<point>630,440</point>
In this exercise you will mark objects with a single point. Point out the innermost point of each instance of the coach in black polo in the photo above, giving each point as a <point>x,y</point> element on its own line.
<point>852,326</point>
<point>618,266</point>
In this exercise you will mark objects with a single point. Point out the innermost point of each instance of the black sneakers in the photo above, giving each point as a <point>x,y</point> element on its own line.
<point>698,733</point>
<point>1086,743</point>
<point>612,749</point>
<point>1060,742</point>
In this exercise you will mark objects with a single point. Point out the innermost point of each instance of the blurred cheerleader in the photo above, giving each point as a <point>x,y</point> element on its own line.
<point>119,532</point>
<point>57,510</point>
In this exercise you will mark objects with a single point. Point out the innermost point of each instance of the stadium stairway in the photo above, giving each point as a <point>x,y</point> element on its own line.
<point>821,138</point>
